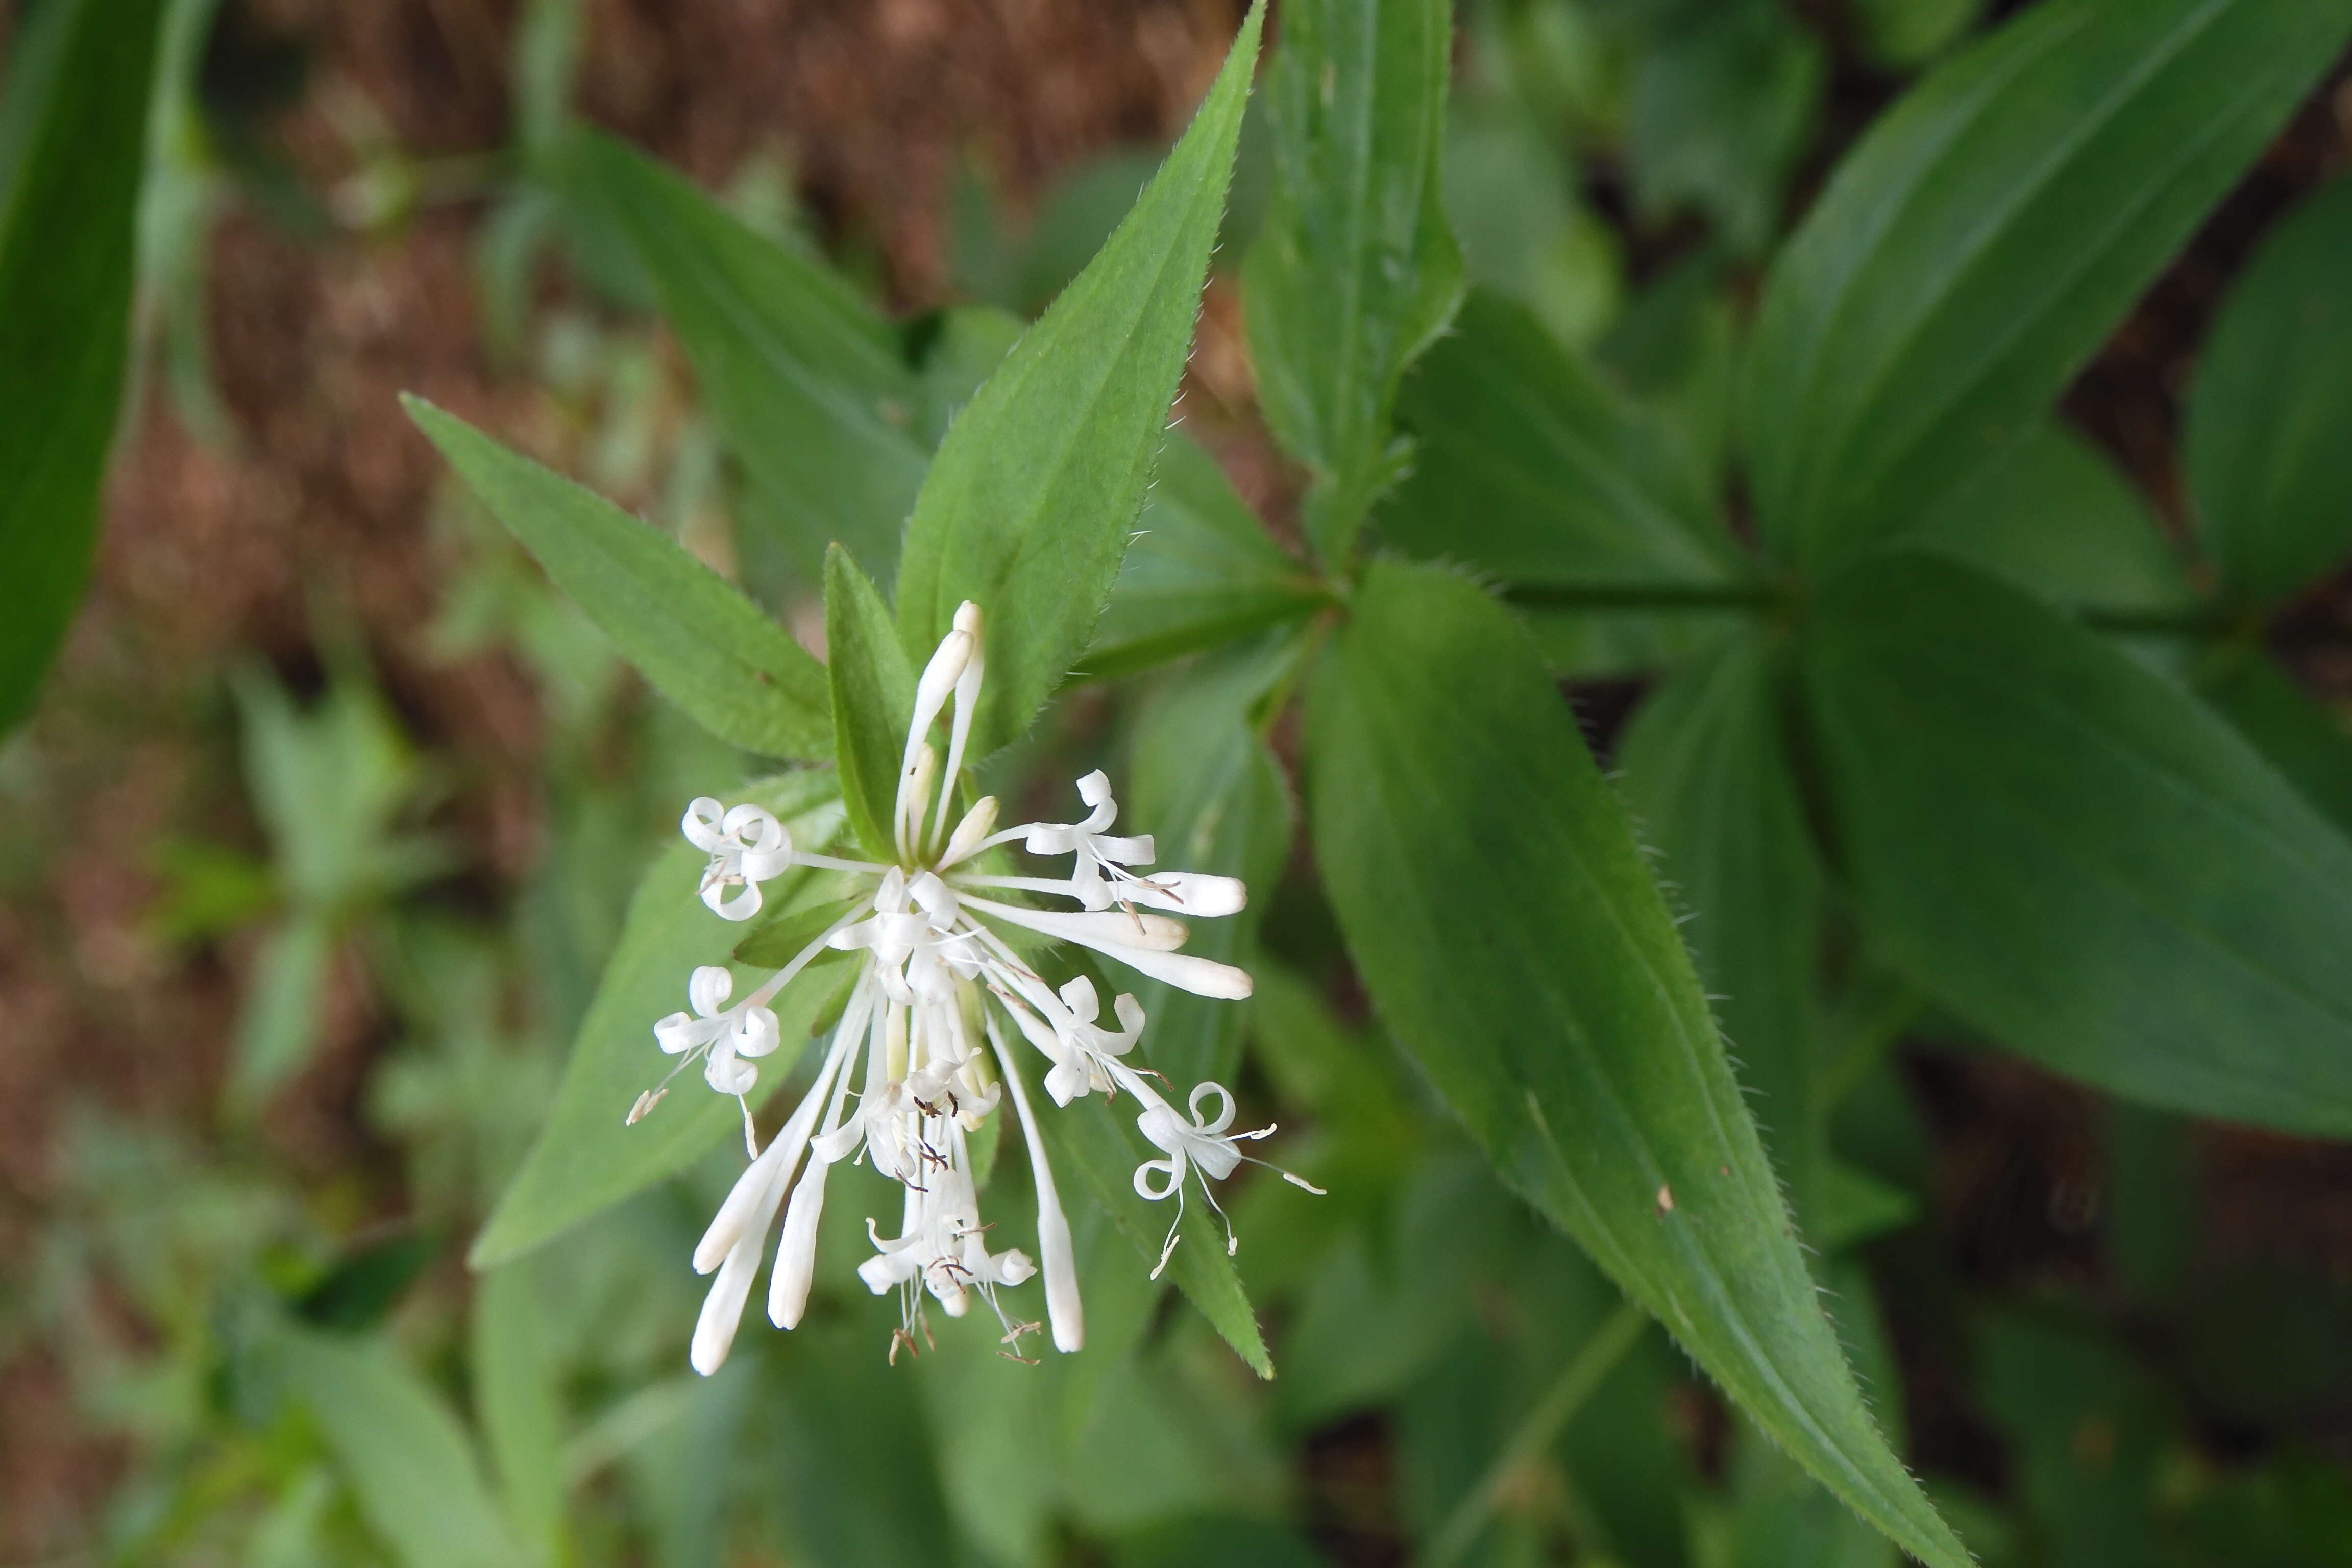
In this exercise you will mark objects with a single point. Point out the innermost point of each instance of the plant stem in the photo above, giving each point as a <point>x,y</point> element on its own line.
<point>1591,1363</point>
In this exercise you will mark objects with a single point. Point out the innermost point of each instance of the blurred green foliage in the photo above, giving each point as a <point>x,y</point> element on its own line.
<point>317,1380</point>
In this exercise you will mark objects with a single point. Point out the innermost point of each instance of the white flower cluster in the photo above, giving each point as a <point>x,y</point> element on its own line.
<point>936,984</point>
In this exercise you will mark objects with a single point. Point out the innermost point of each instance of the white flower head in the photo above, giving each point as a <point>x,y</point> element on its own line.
<point>1203,1144</point>
<point>720,1034</point>
<point>1088,1048</point>
<point>920,1060</point>
<point>747,845</point>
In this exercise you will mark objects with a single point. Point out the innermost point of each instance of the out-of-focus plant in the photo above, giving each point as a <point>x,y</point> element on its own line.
<point>331,784</point>
<point>73,139</point>
<point>1942,732</point>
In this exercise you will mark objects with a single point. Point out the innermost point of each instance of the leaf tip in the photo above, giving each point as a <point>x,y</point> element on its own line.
<point>490,1248</point>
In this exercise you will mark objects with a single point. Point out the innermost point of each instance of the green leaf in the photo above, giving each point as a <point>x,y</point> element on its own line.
<point>1904,34</point>
<point>279,1025</point>
<point>1098,1144</point>
<point>1498,908</point>
<point>401,1447</point>
<point>1232,1542</point>
<point>2090,1432</point>
<point>1675,347</point>
<point>2071,853</point>
<point>358,1290</point>
<point>704,646</point>
<point>2309,743</point>
<point>1855,1205</point>
<point>586,1159</point>
<point>777,941</point>
<point>1581,640</point>
<point>1989,233</point>
<point>1511,200</point>
<point>1726,97</point>
<point>1529,467</point>
<point>1779,1517</point>
<point>873,700</point>
<point>2052,515</point>
<point>1202,571</point>
<point>1355,270</point>
<point>955,352</point>
<point>2265,451</point>
<point>806,382</point>
<point>1022,265</point>
<point>1707,774</point>
<point>329,784</point>
<point>1214,797</point>
<point>73,140</point>
<point>1030,502</point>
<point>839,1433</point>
<point>519,1403</point>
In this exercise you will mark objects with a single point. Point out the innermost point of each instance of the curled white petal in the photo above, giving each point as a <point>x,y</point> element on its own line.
<point>747,846</point>
<point>701,824</point>
<point>708,990</point>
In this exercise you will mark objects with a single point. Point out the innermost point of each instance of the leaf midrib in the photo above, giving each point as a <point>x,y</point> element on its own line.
<point>1962,258</point>
<point>1701,1262</point>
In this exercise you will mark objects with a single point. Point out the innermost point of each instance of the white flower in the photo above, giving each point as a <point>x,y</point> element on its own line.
<point>1201,1143</point>
<point>1094,852</point>
<point>725,1033</point>
<point>920,1060</point>
<point>747,847</point>
<point>1099,876</point>
<point>1088,1049</point>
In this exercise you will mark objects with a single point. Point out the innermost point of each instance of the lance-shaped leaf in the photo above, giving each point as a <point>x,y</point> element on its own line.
<point>807,385</point>
<point>1097,1142</point>
<point>843,1433</point>
<point>1529,467</point>
<point>1726,97</point>
<point>1030,502</point>
<point>72,144</point>
<point>586,1158</point>
<point>2052,514</point>
<point>1707,772</point>
<point>1987,236</point>
<point>2267,458</point>
<point>704,646</point>
<point>518,1404</point>
<point>1213,795</point>
<point>2309,742</point>
<point>408,1461</point>
<point>873,697</point>
<point>2072,853</point>
<point>1355,271</point>
<point>1202,571</point>
<point>1499,908</point>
